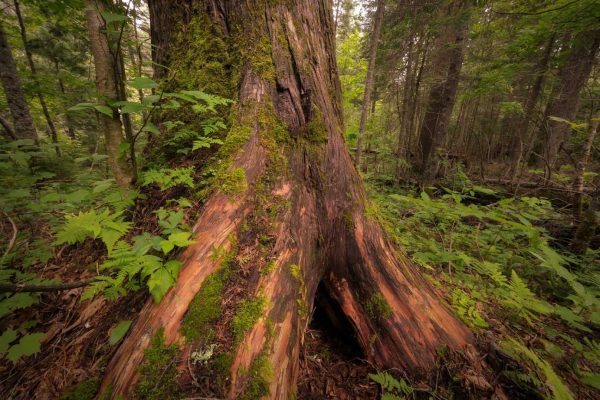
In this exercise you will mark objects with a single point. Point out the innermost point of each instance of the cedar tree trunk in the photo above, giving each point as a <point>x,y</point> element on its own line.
<point>19,110</point>
<point>299,220</point>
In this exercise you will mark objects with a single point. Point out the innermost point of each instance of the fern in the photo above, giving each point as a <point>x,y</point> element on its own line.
<point>107,226</point>
<point>167,178</point>
<point>519,297</point>
<point>392,387</point>
<point>552,381</point>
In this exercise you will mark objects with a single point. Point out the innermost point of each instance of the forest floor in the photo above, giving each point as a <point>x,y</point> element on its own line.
<point>501,263</point>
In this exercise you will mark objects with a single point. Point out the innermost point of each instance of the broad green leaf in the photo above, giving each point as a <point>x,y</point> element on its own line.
<point>150,127</point>
<point>8,336</point>
<point>112,17</point>
<point>117,333</point>
<point>104,110</point>
<point>143,82</point>
<point>159,283</point>
<point>28,345</point>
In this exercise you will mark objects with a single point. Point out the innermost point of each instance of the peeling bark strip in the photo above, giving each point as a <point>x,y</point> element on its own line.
<point>328,234</point>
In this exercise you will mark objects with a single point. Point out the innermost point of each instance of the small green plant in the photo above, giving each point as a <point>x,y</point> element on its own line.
<point>392,388</point>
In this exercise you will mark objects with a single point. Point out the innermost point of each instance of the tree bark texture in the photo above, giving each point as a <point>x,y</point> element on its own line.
<point>40,95</point>
<point>370,80</point>
<point>565,99</point>
<point>19,110</point>
<point>324,232</point>
<point>448,61</point>
<point>107,86</point>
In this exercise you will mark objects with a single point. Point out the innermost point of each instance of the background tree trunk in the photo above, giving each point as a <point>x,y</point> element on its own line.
<point>522,129</point>
<point>448,62</point>
<point>565,99</point>
<point>581,165</point>
<point>295,162</point>
<point>105,66</point>
<point>19,110</point>
<point>40,95</point>
<point>370,81</point>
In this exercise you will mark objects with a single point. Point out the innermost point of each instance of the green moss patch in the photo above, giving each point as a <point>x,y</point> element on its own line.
<point>378,308</point>
<point>205,308</point>
<point>158,372</point>
<point>248,313</point>
<point>260,374</point>
<point>84,390</point>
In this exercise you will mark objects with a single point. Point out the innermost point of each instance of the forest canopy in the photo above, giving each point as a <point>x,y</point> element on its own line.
<point>299,199</point>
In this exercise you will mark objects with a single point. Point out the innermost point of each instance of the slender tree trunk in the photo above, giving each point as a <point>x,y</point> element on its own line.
<point>565,100</point>
<point>108,88</point>
<point>49,122</point>
<point>19,110</point>
<point>403,132</point>
<point>295,162</point>
<point>532,100</point>
<point>448,60</point>
<point>61,87</point>
<point>370,81</point>
<point>584,157</point>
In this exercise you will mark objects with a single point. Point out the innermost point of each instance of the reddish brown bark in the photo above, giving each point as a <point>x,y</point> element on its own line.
<point>325,231</point>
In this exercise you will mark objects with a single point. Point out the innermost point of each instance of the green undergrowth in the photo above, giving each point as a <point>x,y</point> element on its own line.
<point>504,273</point>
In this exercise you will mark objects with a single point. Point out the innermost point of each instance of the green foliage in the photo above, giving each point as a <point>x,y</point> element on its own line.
<point>26,346</point>
<point>393,389</point>
<point>117,333</point>
<point>107,226</point>
<point>466,309</point>
<point>551,380</point>
<point>167,178</point>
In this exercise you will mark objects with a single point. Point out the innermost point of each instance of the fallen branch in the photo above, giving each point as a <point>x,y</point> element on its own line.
<point>49,287</point>
<point>542,185</point>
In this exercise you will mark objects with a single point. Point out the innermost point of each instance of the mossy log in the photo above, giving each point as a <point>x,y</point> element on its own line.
<point>299,220</point>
